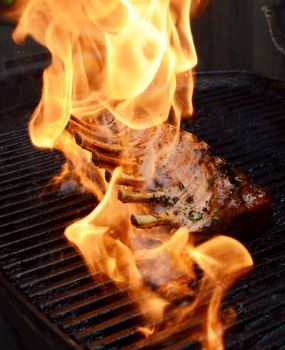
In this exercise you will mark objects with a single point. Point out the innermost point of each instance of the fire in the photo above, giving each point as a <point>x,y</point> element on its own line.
<point>131,60</point>
<point>113,55</point>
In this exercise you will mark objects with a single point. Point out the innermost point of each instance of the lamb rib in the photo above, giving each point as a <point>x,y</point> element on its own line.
<point>190,186</point>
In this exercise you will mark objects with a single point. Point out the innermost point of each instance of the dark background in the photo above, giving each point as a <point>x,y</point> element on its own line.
<point>234,35</point>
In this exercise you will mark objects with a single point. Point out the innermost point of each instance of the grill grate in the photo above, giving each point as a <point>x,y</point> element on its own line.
<point>245,123</point>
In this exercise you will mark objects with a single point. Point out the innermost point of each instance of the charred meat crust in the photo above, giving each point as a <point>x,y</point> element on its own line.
<point>243,210</point>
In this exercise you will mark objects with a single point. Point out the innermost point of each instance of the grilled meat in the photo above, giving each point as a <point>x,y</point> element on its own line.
<point>180,180</point>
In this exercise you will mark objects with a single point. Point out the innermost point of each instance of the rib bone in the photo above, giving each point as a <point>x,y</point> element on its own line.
<point>130,180</point>
<point>75,128</point>
<point>149,221</point>
<point>125,179</point>
<point>137,197</point>
<point>105,157</point>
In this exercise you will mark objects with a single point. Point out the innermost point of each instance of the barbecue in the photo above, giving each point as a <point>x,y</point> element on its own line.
<point>130,245</point>
<point>46,281</point>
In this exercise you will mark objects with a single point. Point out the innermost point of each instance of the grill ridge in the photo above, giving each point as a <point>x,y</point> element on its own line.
<point>244,122</point>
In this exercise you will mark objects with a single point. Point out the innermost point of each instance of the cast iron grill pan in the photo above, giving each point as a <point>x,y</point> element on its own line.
<point>244,120</point>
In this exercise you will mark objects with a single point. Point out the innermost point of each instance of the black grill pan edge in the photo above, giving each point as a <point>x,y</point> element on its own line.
<point>37,331</point>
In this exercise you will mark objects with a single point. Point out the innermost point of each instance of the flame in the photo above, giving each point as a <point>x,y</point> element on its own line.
<point>133,59</point>
<point>113,55</point>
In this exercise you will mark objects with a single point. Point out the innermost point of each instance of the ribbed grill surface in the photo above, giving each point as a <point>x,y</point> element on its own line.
<point>245,123</point>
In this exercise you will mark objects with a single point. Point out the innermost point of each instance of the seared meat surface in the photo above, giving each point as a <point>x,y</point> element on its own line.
<point>179,180</point>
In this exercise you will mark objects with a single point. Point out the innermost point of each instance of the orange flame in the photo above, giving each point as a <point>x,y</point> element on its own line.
<point>124,56</point>
<point>133,59</point>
